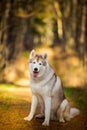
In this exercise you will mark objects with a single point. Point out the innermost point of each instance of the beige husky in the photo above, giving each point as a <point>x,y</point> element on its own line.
<point>47,90</point>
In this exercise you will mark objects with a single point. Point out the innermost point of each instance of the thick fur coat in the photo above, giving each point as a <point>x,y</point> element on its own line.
<point>47,89</point>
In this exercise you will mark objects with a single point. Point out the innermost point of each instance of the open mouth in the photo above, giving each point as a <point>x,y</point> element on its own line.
<point>35,73</point>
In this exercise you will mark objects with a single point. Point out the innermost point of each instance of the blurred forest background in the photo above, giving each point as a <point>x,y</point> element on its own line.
<point>58,27</point>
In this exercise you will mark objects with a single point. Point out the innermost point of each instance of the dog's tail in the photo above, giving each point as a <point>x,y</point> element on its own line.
<point>74,112</point>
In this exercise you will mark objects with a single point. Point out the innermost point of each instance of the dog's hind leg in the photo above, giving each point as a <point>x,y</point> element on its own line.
<point>63,111</point>
<point>60,115</point>
<point>67,116</point>
<point>40,116</point>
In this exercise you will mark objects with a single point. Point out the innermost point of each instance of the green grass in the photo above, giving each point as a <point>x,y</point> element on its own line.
<point>14,108</point>
<point>8,99</point>
<point>6,86</point>
<point>79,96</point>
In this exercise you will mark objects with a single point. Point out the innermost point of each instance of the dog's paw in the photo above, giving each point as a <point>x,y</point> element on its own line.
<point>28,118</point>
<point>61,120</point>
<point>45,123</point>
<point>40,116</point>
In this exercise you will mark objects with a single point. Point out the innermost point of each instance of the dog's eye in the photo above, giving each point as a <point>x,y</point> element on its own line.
<point>34,62</point>
<point>40,63</point>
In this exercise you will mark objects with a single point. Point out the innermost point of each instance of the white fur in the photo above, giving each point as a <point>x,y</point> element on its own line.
<point>47,90</point>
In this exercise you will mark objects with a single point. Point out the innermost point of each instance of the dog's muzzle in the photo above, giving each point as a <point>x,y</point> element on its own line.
<point>35,72</point>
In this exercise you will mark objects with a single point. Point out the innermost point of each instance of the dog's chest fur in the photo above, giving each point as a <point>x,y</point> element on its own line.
<point>43,86</point>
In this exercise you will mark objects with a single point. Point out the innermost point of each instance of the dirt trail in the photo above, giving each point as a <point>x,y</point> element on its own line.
<point>15,105</point>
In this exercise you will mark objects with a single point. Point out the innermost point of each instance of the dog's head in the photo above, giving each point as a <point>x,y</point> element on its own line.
<point>37,64</point>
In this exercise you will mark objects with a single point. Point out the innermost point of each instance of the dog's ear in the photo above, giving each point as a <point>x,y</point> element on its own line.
<point>44,55</point>
<point>32,54</point>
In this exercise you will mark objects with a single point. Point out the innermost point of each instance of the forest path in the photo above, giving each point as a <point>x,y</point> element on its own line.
<point>15,105</point>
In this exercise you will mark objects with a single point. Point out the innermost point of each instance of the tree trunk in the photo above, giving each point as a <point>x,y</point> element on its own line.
<point>85,45</point>
<point>58,19</point>
<point>3,36</point>
<point>78,27</point>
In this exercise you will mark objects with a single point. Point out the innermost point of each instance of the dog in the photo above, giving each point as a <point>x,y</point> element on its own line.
<point>47,89</point>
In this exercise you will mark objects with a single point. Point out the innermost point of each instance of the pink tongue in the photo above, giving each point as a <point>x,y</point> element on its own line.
<point>35,74</point>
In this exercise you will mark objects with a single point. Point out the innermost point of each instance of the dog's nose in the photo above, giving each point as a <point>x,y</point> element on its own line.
<point>35,69</point>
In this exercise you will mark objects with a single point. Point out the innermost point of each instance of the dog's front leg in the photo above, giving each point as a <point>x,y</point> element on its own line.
<point>33,108</point>
<point>47,101</point>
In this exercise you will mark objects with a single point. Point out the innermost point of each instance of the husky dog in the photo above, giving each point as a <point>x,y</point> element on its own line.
<point>47,90</point>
